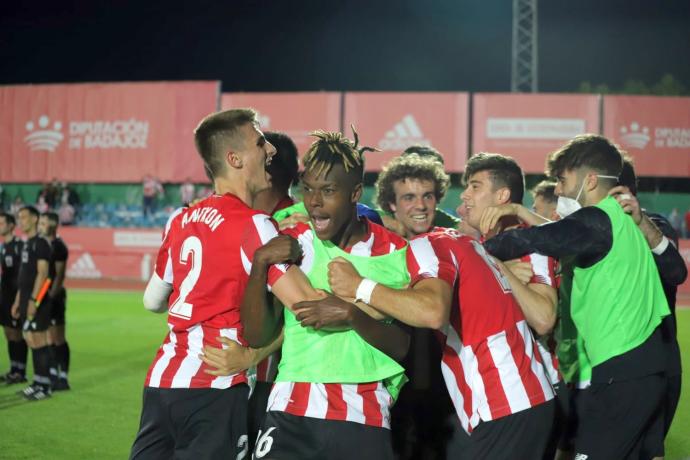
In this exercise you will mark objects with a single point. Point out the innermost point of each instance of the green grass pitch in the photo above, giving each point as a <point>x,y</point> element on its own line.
<point>113,340</point>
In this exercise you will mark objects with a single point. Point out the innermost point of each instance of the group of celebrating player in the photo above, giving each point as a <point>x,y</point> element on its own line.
<point>553,338</point>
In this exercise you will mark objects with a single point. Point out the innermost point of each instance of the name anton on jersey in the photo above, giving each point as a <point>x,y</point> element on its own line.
<point>207,215</point>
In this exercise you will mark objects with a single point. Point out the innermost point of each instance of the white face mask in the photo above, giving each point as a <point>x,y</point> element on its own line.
<point>566,206</point>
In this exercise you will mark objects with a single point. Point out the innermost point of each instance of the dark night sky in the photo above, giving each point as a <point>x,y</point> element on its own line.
<point>285,45</point>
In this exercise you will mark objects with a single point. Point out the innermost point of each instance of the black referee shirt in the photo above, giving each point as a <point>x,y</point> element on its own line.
<point>35,249</point>
<point>9,266</point>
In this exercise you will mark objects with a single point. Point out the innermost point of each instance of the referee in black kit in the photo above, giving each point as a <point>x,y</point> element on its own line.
<point>10,258</point>
<point>28,307</point>
<point>47,228</point>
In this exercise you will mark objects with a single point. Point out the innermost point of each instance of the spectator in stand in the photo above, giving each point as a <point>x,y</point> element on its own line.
<point>16,205</point>
<point>187,192</point>
<point>66,214</point>
<point>686,232</point>
<point>151,189</point>
<point>55,188</point>
<point>45,198</point>
<point>68,209</point>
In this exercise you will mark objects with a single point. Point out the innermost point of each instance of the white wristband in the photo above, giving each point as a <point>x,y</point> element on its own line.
<point>364,290</point>
<point>661,247</point>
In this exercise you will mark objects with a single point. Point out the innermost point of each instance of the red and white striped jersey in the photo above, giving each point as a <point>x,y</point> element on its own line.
<point>206,257</point>
<point>367,402</point>
<point>490,363</point>
<point>544,272</point>
<point>267,369</point>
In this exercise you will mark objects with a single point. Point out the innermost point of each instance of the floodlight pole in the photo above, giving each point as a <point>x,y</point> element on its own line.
<point>525,56</point>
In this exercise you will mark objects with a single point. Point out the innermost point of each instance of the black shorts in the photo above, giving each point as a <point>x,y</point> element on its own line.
<point>285,437</point>
<point>520,436</point>
<point>194,423</point>
<point>673,386</point>
<point>58,307</point>
<point>258,402</point>
<point>40,322</point>
<point>559,420</point>
<point>623,419</point>
<point>6,313</point>
<point>572,402</point>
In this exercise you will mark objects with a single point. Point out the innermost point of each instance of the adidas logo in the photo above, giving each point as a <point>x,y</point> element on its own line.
<point>84,268</point>
<point>403,135</point>
<point>632,136</point>
<point>41,136</point>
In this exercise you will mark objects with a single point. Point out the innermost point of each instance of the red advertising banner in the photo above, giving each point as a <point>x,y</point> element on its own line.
<point>684,249</point>
<point>394,121</point>
<point>654,130</point>
<point>103,132</point>
<point>528,127</point>
<point>295,114</point>
<point>113,254</point>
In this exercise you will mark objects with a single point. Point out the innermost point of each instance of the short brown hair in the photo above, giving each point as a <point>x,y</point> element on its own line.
<point>410,166</point>
<point>589,151</point>
<point>216,133</point>
<point>628,176</point>
<point>545,189</point>
<point>424,151</point>
<point>503,170</point>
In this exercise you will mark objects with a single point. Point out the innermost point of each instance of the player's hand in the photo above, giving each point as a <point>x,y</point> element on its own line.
<point>293,220</point>
<point>521,270</point>
<point>15,310</point>
<point>31,310</point>
<point>491,215</point>
<point>332,313</point>
<point>280,249</point>
<point>343,277</point>
<point>393,225</point>
<point>229,360</point>
<point>628,202</point>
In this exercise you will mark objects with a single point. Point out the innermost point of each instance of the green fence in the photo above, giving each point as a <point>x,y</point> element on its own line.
<point>130,194</point>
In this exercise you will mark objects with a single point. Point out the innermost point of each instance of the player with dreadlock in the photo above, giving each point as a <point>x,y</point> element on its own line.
<point>335,386</point>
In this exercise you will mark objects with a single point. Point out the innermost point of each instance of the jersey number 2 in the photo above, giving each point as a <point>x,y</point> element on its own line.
<point>189,254</point>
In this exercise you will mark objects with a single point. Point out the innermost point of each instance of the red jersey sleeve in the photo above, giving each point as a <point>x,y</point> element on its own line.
<point>259,232</point>
<point>543,269</point>
<point>429,257</point>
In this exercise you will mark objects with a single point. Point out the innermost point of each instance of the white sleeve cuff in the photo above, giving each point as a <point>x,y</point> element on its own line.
<point>661,247</point>
<point>156,294</point>
<point>364,290</point>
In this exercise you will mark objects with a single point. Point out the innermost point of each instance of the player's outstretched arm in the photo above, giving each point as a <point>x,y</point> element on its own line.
<point>585,234</point>
<point>261,318</point>
<point>234,358</point>
<point>427,304</point>
<point>660,236</point>
<point>334,312</point>
<point>156,294</point>
<point>493,214</point>
<point>669,261</point>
